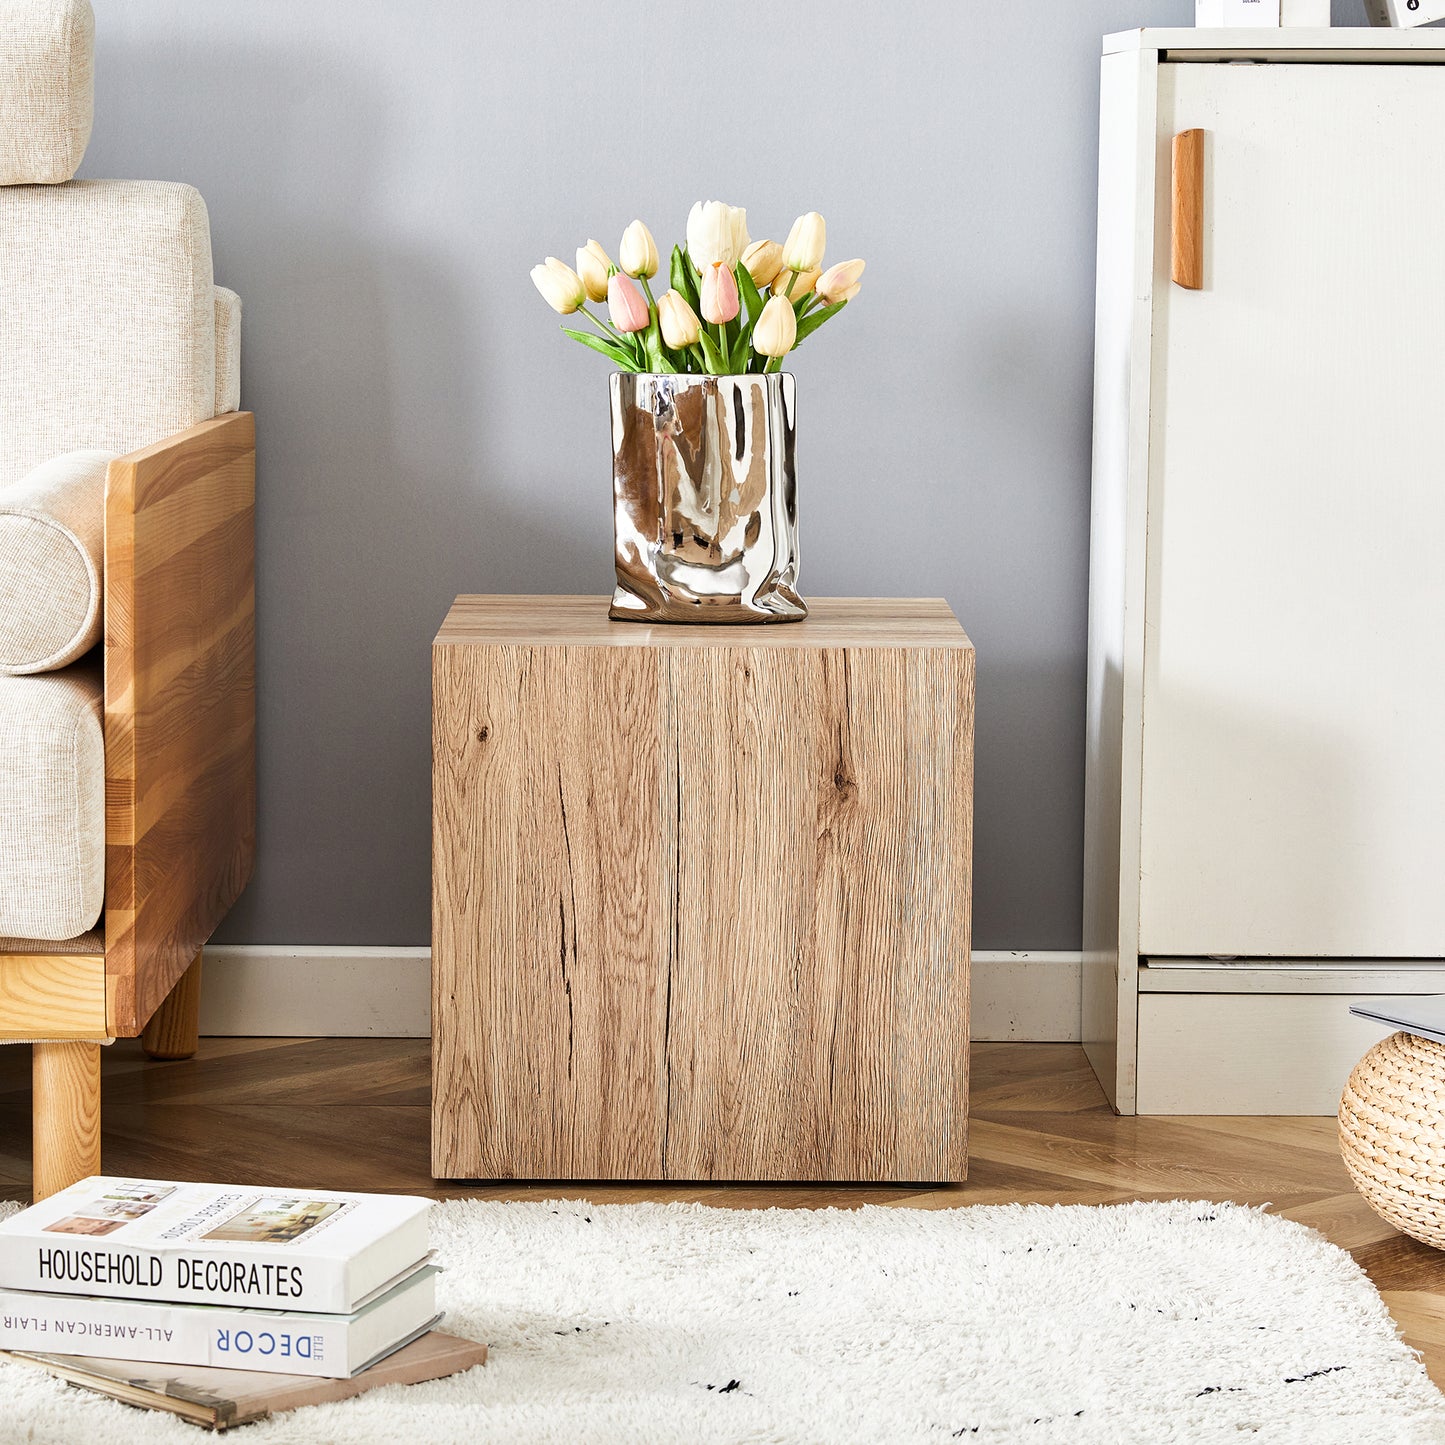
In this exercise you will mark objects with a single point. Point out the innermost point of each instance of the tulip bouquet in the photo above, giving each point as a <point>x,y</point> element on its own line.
<point>734,306</point>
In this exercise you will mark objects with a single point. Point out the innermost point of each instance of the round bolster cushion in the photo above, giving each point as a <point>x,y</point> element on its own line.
<point>52,537</point>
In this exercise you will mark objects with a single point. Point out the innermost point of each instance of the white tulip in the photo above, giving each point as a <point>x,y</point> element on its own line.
<point>717,234</point>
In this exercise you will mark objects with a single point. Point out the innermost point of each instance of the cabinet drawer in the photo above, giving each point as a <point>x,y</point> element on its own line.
<point>1248,1053</point>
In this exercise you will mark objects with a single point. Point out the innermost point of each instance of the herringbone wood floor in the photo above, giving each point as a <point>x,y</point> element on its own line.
<point>353,1114</point>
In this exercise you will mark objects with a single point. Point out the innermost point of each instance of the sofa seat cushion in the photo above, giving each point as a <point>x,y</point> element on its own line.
<point>52,553</point>
<point>52,803</point>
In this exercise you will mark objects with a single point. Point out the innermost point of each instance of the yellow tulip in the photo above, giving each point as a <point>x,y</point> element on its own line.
<point>840,281</point>
<point>763,260</point>
<point>803,250</point>
<point>803,282</point>
<point>777,328</point>
<point>637,255</point>
<point>593,266</point>
<point>560,285</point>
<point>680,326</point>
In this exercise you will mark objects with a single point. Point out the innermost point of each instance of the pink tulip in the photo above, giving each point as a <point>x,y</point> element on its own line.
<point>625,304</point>
<point>719,299</point>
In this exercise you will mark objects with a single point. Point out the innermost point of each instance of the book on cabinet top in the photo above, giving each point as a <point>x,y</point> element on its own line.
<point>314,1250</point>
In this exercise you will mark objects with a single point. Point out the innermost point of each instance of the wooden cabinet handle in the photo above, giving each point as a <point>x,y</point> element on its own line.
<point>1187,259</point>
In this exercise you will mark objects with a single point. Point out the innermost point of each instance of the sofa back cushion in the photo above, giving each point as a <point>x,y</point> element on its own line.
<point>107,318</point>
<point>47,89</point>
<point>52,548</point>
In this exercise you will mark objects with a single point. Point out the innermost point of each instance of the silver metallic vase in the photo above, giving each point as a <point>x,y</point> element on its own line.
<point>704,499</point>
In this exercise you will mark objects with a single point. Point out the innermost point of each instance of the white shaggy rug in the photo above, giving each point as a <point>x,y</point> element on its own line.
<point>637,1324</point>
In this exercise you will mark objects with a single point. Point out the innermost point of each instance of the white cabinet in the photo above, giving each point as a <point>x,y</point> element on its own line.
<point>1267,604</point>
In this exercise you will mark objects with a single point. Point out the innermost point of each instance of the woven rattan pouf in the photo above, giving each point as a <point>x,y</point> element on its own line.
<point>1392,1134</point>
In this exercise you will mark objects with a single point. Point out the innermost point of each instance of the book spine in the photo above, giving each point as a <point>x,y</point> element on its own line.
<point>251,1281</point>
<point>270,1341</point>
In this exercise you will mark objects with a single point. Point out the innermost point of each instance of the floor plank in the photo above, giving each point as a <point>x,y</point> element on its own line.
<point>353,1114</point>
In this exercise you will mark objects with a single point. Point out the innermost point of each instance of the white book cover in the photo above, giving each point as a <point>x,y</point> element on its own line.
<point>145,1239</point>
<point>275,1341</point>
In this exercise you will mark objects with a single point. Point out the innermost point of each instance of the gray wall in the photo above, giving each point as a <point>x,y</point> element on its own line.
<point>381,175</point>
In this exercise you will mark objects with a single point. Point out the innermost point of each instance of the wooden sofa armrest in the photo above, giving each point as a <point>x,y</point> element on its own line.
<point>180,703</point>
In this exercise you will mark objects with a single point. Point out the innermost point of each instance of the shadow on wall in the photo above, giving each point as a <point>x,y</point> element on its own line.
<point>372,507</point>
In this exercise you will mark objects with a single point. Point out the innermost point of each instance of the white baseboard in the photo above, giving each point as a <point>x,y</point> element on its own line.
<point>1034,997</point>
<point>267,991</point>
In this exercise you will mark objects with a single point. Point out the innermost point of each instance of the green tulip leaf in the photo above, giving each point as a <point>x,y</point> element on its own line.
<point>747,289</point>
<point>652,343</point>
<point>714,358</point>
<point>682,277</point>
<point>609,349</point>
<point>742,348</point>
<point>814,319</point>
<point>658,357</point>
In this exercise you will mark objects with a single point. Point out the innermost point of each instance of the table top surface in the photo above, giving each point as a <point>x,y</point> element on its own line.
<point>521,621</point>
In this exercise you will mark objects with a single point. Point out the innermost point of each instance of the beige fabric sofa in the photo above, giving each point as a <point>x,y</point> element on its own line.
<point>126,594</point>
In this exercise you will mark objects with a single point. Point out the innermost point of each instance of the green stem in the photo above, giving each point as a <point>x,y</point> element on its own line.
<point>774,364</point>
<point>792,281</point>
<point>697,356</point>
<point>647,291</point>
<point>598,321</point>
<point>722,342</point>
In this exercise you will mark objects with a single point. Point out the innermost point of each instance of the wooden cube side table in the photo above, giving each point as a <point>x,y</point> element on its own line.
<point>701,895</point>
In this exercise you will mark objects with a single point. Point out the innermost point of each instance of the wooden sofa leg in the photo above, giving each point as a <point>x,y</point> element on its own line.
<point>66,1115</point>
<point>174,1031</point>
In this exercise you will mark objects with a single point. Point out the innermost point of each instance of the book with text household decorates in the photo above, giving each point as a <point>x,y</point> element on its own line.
<point>142,1239</point>
<point>227,1336</point>
<point>219,1399</point>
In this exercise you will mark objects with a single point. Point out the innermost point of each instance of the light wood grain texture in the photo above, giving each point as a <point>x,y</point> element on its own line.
<point>701,910</point>
<point>1187,211</point>
<point>66,1115</point>
<point>174,1028</point>
<point>52,996</point>
<point>577,622</point>
<point>818,973</point>
<point>179,704</point>
<point>549,1007</point>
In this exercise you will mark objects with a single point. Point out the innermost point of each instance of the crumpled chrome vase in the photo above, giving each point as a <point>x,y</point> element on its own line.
<point>704,499</point>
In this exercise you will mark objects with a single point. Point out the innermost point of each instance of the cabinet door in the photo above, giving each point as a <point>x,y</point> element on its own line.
<point>1293,791</point>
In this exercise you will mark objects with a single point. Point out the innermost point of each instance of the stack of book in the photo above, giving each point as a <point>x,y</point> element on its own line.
<point>224,1279</point>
